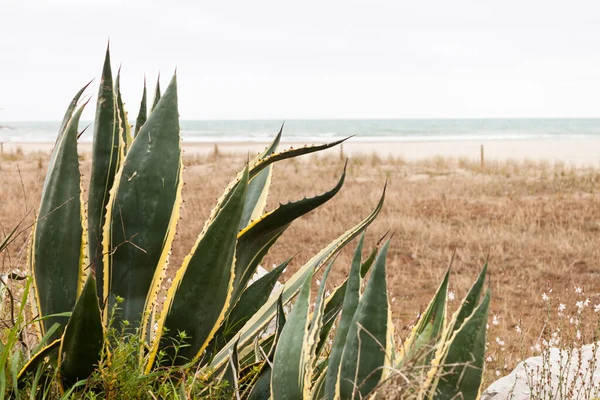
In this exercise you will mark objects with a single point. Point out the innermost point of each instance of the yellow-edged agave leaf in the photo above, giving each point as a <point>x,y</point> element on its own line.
<point>258,189</point>
<point>105,155</point>
<point>82,341</point>
<point>123,123</point>
<point>419,346</point>
<point>351,298</point>
<point>290,153</point>
<point>468,304</point>
<point>251,300</point>
<point>38,358</point>
<point>268,311</point>
<point>367,346</point>
<point>71,108</point>
<point>142,114</point>
<point>334,303</point>
<point>289,363</point>
<point>142,214</point>
<point>310,345</point>
<point>458,369</point>
<point>57,253</point>
<point>201,291</point>
<point>255,241</point>
<point>318,392</point>
<point>156,94</point>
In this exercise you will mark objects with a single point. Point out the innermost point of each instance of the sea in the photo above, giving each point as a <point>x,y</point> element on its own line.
<point>368,130</point>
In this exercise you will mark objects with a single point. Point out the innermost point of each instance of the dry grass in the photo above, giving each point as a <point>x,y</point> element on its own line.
<point>538,223</point>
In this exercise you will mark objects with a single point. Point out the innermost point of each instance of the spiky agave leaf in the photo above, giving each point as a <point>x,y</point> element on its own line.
<point>368,342</point>
<point>314,328</point>
<point>142,114</point>
<point>255,241</point>
<point>287,376</point>
<point>351,299</point>
<point>201,291</point>
<point>258,189</point>
<point>457,369</point>
<point>260,387</point>
<point>334,303</point>
<point>82,341</point>
<point>57,248</point>
<point>428,329</point>
<point>468,304</point>
<point>142,214</point>
<point>105,155</point>
<point>123,123</point>
<point>268,311</point>
<point>156,94</point>
<point>251,300</point>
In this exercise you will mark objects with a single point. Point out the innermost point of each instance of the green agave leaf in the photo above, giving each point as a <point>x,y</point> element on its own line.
<point>201,291</point>
<point>57,248</point>
<point>368,340</point>
<point>123,123</point>
<point>268,311</point>
<point>142,114</point>
<point>260,387</point>
<point>318,392</point>
<point>334,303</point>
<point>156,94</point>
<point>71,108</point>
<point>105,155</point>
<point>468,304</point>
<point>258,189</point>
<point>310,345</point>
<point>38,358</point>
<point>139,229</point>
<point>350,303</point>
<point>458,372</point>
<point>255,241</point>
<point>287,377</point>
<point>427,330</point>
<point>251,300</point>
<point>82,341</point>
<point>290,153</point>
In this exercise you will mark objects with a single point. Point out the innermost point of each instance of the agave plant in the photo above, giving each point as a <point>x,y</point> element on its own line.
<point>104,263</point>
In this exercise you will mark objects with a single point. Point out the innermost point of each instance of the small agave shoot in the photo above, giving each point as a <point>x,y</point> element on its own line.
<point>102,264</point>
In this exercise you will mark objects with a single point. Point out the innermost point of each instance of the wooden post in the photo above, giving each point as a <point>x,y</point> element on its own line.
<point>482,158</point>
<point>216,150</point>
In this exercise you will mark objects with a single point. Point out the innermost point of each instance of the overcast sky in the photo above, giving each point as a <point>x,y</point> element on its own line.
<point>277,59</point>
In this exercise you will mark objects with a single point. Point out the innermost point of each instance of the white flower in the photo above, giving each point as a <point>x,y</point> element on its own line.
<point>578,290</point>
<point>497,373</point>
<point>562,307</point>
<point>586,302</point>
<point>489,359</point>
<point>579,306</point>
<point>499,341</point>
<point>518,329</point>
<point>597,308</point>
<point>495,320</point>
<point>451,296</point>
<point>537,347</point>
<point>545,297</point>
<point>578,334</point>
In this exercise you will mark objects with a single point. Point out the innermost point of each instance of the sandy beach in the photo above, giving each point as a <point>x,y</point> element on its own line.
<point>579,152</point>
<point>533,211</point>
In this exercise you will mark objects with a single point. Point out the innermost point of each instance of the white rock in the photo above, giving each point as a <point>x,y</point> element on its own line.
<point>556,371</point>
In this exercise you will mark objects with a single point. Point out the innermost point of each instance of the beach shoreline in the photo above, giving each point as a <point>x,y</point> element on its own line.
<point>573,152</point>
